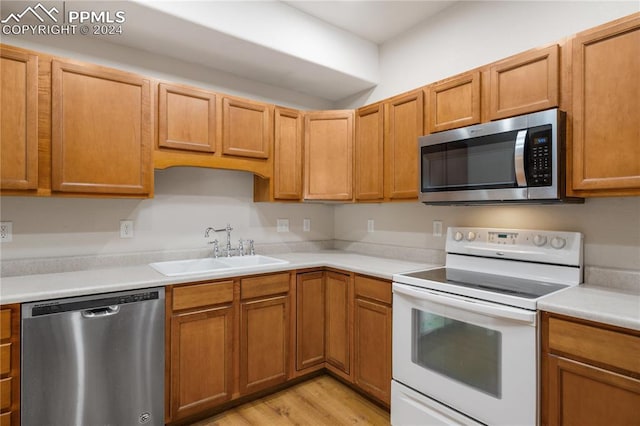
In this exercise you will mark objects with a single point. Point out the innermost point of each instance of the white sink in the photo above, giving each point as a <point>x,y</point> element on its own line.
<point>202,266</point>
<point>251,261</point>
<point>186,267</point>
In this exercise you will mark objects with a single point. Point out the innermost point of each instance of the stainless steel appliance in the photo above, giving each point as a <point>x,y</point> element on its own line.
<point>94,360</point>
<point>519,159</point>
<point>465,336</point>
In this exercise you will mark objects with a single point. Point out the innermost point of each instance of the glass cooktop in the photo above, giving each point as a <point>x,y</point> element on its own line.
<point>518,287</point>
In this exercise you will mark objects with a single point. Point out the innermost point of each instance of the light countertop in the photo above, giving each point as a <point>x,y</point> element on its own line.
<point>31,288</point>
<point>601,304</point>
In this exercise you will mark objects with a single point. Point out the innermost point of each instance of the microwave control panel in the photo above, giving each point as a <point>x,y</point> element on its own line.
<point>540,158</point>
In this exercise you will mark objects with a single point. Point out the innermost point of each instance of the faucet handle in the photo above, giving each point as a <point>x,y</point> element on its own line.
<point>241,247</point>
<point>216,248</point>
<point>252,250</point>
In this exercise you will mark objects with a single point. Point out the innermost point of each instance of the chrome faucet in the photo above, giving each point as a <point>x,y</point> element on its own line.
<point>228,250</point>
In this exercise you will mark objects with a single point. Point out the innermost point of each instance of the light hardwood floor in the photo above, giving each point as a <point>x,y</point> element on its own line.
<point>319,401</point>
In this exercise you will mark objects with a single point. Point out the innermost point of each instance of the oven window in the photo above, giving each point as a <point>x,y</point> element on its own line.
<point>461,351</point>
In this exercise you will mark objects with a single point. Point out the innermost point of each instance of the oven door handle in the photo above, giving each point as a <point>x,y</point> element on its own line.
<point>479,307</point>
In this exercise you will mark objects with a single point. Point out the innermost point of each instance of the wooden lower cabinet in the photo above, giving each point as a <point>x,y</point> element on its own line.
<point>338,322</point>
<point>10,365</point>
<point>264,343</point>
<point>201,347</point>
<point>372,337</point>
<point>310,312</point>
<point>590,373</point>
<point>201,360</point>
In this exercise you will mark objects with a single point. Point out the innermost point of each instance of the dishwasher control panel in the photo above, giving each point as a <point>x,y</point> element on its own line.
<point>89,302</point>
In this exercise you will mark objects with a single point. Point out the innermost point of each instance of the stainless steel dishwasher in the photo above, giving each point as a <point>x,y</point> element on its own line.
<point>94,360</point>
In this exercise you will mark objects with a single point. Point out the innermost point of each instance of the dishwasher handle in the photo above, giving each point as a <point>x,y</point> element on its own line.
<point>101,312</point>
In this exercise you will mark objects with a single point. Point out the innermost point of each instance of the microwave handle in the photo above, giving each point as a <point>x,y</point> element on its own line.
<point>492,310</point>
<point>518,158</point>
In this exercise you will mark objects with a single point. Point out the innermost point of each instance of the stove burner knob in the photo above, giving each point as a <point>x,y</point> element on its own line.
<point>471,236</point>
<point>558,242</point>
<point>539,240</point>
<point>458,236</point>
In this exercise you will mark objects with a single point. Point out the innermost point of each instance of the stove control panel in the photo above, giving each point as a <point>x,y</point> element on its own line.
<point>559,247</point>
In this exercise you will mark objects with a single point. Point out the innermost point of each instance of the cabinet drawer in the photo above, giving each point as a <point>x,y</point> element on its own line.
<point>5,358</point>
<point>5,393</point>
<point>197,295</point>
<point>5,419</point>
<point>5,324</point>
<point>609,347</point>
<point>372,288</point>
<point>264,286</point>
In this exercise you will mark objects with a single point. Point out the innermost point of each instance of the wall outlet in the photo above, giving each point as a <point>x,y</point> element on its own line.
<point>126,229</point>
<point>282,225</point>
<point>437,228</point>
<point>306,225</point>
<point>370,225</point>
<point>6,232</point>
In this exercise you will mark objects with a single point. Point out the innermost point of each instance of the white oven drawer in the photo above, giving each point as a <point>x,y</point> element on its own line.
<point>409,408</point>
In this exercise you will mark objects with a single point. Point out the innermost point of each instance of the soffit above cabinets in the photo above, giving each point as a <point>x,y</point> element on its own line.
<point>325,49</point>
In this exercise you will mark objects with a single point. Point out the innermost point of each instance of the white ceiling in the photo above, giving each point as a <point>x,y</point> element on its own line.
<point>328,49</point>
<point>373,20</point>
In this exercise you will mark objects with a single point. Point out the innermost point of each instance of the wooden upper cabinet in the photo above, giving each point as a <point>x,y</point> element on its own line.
<point>524,83</point>
<point>328,155</point>
<point>403,125</point>
<point>246,128</point>
<point>287,165</point>
<point>369,153</point>
<point>453,103</point>
<point>19,124</point>
<point>101,130</point>
<point>186,118</point>
<point>606,109</point>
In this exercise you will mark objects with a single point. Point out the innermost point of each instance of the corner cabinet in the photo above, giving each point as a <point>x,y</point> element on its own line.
<point>606,110</point>
<point>328,155</point>
<point>201,347</point>
<point>310,319</point>
<point>590,373</point>
<point>403,124</point>
<point>101,130</point>
<point>338,322</point>
<point>19,124</point>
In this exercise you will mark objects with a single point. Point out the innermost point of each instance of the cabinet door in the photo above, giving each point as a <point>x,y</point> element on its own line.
<point>264,343</point>
<point>524,83</point>
<point>19,124</point>
<point>580,394</point>
<point>338,321</point>
<point>310,311</point>
<point>370,153</point>
<point>186,118</point>
<point>328,154</point>
<point>101,135</point>
<point>454,103</point>
<point>246,128</point>
<point>403,121</point>
<point>201,360</point>
<point>372,347</point>
<point>287,165</point>
<point>606,106</point>
<point>10,364</point>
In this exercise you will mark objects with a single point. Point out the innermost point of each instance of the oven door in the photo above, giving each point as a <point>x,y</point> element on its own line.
<point>475,357</point>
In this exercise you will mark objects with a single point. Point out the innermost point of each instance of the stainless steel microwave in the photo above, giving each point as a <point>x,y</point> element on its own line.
<point>519,160</point>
